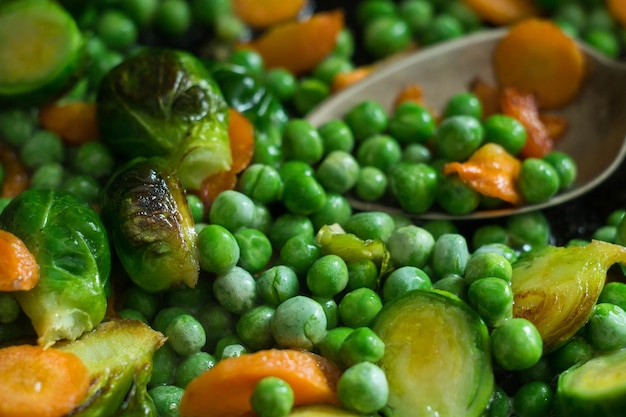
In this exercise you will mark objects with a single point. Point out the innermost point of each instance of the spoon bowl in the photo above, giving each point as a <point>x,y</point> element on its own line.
<point>596,134</point>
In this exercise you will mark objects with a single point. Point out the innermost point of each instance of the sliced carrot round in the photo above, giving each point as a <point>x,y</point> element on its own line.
<point>225,389</point>
<point>241,136</point>
<point>503,12</point>
<point>537,57</point>
<point>40,382</point>
<point>75,122</point>
<point>15,175</point>
<point>617,8</point>
<point>264,13</point>
<point>19,270</point>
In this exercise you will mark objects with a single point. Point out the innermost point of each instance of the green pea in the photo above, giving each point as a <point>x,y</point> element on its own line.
<point>370,10</point>
<point>416,153</point>
<point>228,346</point>
<point>326,70</point>
<point>299,253</point>
<point>371,184</point>
<point>538,181</point>
<point>140,11</point>
<point>411,123</point>
<point>43,147</point>
<point>455,197</point>
<point>261,218</point>
<point>218,249</point>
<point>164,317</point>
<point>138,299</point>
<point>261,183</point>
<point>16,126</point>
<point>386,36</point>
<point>94,159</point>
<point>330,310</point>
<point>48,175</point>
<point>254,327</point>
<point>232,210</point>
<point>167,399</point>
<point>362,274</point>
<point>164,363</point>
<point>500,248</point>
<point>500,405</point>
<point>600,18</point>
<point>457,137</point>
<point>302,142</point>
<point>173,18</point>
<point>464,14</point>
<point>255,248</point>
<point>83,186</point>
<point>309,93</point>
<point>410,246</point>
<point>572,12</point>
<point>380,151</point>
<point>336,136</point>
<point>116,29</point>
<point>516,344</point>
<point>361,345</point>
<point>603,40</point>
<point>196,207</point>
<point>288,225</point>
<point>366,119</point>
<point>450,255</point>
<point>489,233</point>
<point>230,28</point>
<point>299,323</point>
<point>277,284</point>
<point>565,167</point>
<point>267,152</point>
<point>193,366</point>
<point>576,351</point>
<point>281,83</point>
<point>403,280</point>
<point>328,276</point>
<point>185,334</point>
<point>344,45</point>
<point>371,225</point>
<point>331,344</point>
<point>363,388</point>
<point>534,399</point>
<point>131,314</point>
<point>235,290</point>
<point>606,328</point>
<point>336,210</point>
<point>488,264</point>
<point>439,227</point>
<point>359,307</point>
<point>234,350</point>
<point>9,308</point>
<point>414,186</point>
<point>506,132</point>
<point>248,59</point>
<point>303,195</point>
<point>528,229</point>
<point>338,172</point>
<point>453,284</point>
<point>417,14</point>
<point>441,28</point>
<point>216,322</point>
<point>492,298</point>
<point>614,293</point>
<point>272,397</point>
<point>605,233</point>
<point>190,298</point>
<point>295,168</point>
<point>465,103</point>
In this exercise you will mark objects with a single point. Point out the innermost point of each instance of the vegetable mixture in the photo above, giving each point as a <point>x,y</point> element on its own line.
<point>176,238</point>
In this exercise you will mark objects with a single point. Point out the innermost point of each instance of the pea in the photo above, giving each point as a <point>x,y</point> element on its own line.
<point>338,172</point>
<point>439,227</point>
<point>234,350</point>
<point>336,136</point>
<point>528,229</point>
<point>232,210</point>
<point>488,264</point>
<point>499,248</point>
<point>386,36</point>
<point>84,186</point>
<point>370,10</point>
<point>173,18</point>
<point>573,13</point>
<point>299,323</point>
<point>576,351</point>
<point>538,180</point>
<point>366,119</point>
<point>371,225</point>
<point>464,14</point>
<point>441,28</point>
<point>43,147</point>
<point>450,255</point>
<point>94,159</point>
<point>328,276</point>
<point>453,284</point>
<point>403,280</point>
<point>361,345</point>
<point>254,327</point>
<point>600,18</point>
<point>605,233</point>
<point>359,307</point>
<point>196,207</point>
<point>235,290</point>
<point>330,310</point>
<point>417,14</point>
<point>380,151</point>
<point>216,322</point>
<point>362,274</point>
<point>326,70</point>
<point>261,219</point>
<point>309,93</point>
<point>167,399</point>
<point>371,184</point>
<point>272,397</point>
<point>465,103</point>
<point>416,153</point>
<point>302,142</point>
<point>455,197</point>
<point>190,298</point>
<point>230,28</point>
<point>131,314</point>
<point>185,334</point>
<point>414,186</point>
<point>331,344</point>
<point>16,126</point>
<point>410,246</point>
<point>267,152</point>
<point>116,29</point>
<point>248,59</point>
<point>140,11</point>
<point>534,399</point>
<point>489,233</point>
<point>193,366</point>
<point>492,298</point>
<point>261,183</point>
<point>363,388</point>
<point>9,308</point>
<point>506,132</point>
<point>500,405</point>
<point>288,225</point>
<point>516,344</point>
<point>336,210</point>
<point>218,249</point>
<point>164,317</point>
<point>281,83</point>
<point>303,195</point>
<point>49,175</point>
<point>164,362</point>
<point>614,293</point>
<point>458,137</point>
<point>255,248</point>
<point>606,328</point>
<point>138,299</point>
<point>299,253</point>
<point>229,346</point>
<point>603,40</point>
<point>565,167</point>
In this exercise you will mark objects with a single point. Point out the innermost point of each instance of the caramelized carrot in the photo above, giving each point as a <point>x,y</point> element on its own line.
<point>502,12</point>
<point>15,174</point>
<point>74,122</point>
<point>491,171</point>
<point>412,92</point>
<point>264,13</point>
<point>555,124</point>
<point>346,79</point>
<point>488,95</point>
<point>537,56</point>
<point>225,389</point>
<point>523,107</point>
<point>213,185</point>
<point>617,8</point>
<point>19,270</point>
<point>241,135</point>
<point>40,382</point>
<point>301,45</point>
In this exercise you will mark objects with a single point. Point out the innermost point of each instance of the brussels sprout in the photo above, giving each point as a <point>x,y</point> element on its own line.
<point>118,356</point>
<point>164,102</point>
<point>151,226</point>
<point>322,410</point>
<point>436,356</point>
<point>70,244</point>
<point>556,287</point>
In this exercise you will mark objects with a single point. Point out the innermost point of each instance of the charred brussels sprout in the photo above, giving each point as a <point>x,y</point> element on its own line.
<point>151,226</point>
<point>70,244</point>
<point>164,102</point>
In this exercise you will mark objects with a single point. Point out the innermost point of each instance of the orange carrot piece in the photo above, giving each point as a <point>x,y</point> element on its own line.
<point>213,185</point>
<point>488,95</point>
<point>19,270</point>
<point>412,92</point>
<point>241,135</point>
<point>40,382</point>
<point>15,174</point>
<point>554,123</point>
<point>491,171</point>
<point>261,14</point>
<point>346,79</point>
<point>537,56</point>
<point>523,107</point>
<point>503,12</point>
<point>75,122</point>
<point>617,8</point>
<point>225,389</point>
<point>299,46</point>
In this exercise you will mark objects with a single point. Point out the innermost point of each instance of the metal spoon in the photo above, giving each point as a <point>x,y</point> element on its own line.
<point>597,118</point>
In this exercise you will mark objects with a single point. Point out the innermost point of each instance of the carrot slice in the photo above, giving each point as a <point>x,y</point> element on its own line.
<point>241,135</point>
<point>412,92</point>
<point>555,124</point>
<point>19,270</point>
<point>225,389</point>
<point>213,185</point>
<point>488,95</point>
<point>264,13</point>
<point>537,56</point>
<point>40,382</point>
<point>75,122</point>
<point>15,174</point>
<point>346,79</point>
<point>299,46</point>
<point>503,12</point>
<point>617,8</point>
<point>491,171</point>
<point>523,107</point>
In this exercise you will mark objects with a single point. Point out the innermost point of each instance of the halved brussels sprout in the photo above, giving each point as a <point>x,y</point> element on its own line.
<point>437,358</point>
<point>70,244</point>
<point>556,287</point>
<point>118,355</point>
<point>164,102</point>
<point>322,410</point>
<point>151,225</point>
